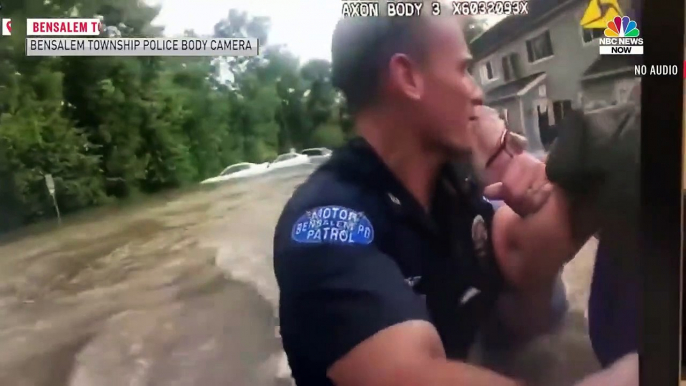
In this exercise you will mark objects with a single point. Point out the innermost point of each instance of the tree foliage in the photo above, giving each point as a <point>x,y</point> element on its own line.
<point>109,128</point>
<point>473,27</point>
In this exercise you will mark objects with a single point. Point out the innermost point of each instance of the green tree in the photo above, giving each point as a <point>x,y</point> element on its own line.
<point>38,140</point>
<point>473,27</point>
<point>109,128</point>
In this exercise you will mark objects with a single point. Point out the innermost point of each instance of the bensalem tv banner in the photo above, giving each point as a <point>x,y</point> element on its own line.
<point>142,46</point>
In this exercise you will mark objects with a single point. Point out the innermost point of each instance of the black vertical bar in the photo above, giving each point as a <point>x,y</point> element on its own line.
<point>661,148</point>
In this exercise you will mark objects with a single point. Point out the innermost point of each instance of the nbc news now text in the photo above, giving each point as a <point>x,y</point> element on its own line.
<point>621,46</point>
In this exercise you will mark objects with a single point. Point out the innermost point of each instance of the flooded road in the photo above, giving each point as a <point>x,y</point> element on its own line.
<point>170,292</point>
<point>179,290</point>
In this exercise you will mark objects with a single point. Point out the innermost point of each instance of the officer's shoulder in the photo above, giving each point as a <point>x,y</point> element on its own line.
<point>324,209</point>
<point>325,188</point>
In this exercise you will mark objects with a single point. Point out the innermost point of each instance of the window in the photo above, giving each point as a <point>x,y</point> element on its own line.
<point>508,68</point>
<point>542,91</point>
<point>487,71</point>
<point>590,35</point>
<point>545,126</point>
<point>284,157</point>
<point>510,63</point>
<point>561,109</point>
<point>234,169</point>
<point>540,47</point>
<point>313,152</point>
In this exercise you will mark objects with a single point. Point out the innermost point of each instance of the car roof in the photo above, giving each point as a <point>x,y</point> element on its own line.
<point>240,164</point>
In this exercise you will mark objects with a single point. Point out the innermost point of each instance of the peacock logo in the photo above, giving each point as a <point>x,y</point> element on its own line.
<point>621,27</point>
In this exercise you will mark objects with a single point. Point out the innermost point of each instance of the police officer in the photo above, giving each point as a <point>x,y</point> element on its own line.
<point>388,257</point>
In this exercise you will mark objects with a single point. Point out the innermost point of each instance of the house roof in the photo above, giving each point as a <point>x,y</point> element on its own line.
<point>513,26</point>
<point>512,89</point>
<point>610,64</point>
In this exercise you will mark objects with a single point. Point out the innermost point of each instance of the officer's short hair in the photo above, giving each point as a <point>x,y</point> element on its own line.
<point>363,46</point>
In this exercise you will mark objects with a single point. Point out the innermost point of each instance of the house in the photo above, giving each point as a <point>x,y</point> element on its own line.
<point>535,68</point>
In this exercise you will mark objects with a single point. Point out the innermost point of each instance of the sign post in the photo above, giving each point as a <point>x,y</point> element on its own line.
<point>50,183</point>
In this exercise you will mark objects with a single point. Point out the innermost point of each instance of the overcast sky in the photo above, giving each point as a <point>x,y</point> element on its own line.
<point>305,26</point>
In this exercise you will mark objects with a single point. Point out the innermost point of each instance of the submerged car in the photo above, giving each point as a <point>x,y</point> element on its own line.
<point>239,170</point>
<point>317,154</point>
<point>288,160</point>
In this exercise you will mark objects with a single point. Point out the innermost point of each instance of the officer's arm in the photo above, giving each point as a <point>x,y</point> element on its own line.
<point>624,372</point>
<point>345,306</point>
<point>409,353</point>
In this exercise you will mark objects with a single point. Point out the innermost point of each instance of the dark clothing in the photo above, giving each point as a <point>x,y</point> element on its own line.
<point>355,253</point>
<point>612,311</point>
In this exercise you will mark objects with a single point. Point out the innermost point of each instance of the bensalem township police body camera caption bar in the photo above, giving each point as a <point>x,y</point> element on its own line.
<point>142,47</point>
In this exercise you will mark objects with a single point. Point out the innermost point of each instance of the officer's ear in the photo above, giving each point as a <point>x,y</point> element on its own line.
<point>404,77</point>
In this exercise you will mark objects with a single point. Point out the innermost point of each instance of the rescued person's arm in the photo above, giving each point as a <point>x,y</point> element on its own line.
<point>532,248</point>
<point>590,182</point>
<point>537,230</point>
<point>534,233</point>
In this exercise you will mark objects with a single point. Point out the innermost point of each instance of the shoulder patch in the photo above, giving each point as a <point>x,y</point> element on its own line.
<point>333,225</point>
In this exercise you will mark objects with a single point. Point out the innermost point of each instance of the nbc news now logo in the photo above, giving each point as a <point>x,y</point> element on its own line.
<point>621,38</point>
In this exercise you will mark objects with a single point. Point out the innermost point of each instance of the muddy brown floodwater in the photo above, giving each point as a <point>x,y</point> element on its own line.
<point>179,290</point>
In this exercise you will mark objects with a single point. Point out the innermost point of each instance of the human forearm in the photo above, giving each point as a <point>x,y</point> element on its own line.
<point>408,354</point>
<point>453,373</point>
<point>624,372</point>
<point>427,371</point>
<point>521,316</point>
<point>532,249</point>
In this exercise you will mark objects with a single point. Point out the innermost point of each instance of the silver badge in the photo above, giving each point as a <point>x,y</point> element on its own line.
<point>480,238</point>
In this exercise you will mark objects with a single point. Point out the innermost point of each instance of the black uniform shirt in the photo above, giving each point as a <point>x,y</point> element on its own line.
<point>355,253</point>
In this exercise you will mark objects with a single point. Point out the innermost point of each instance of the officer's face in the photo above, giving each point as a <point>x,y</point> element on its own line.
<point>450,94</point>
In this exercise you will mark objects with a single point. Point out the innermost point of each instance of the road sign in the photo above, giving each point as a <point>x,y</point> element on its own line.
<point>6,27</point>
<point>599,12</point>
<point>50,183</point>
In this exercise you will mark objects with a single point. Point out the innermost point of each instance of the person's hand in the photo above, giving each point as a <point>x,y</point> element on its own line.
<point>524,186</point>
<point>494,145</point>
<point>512,175</point>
